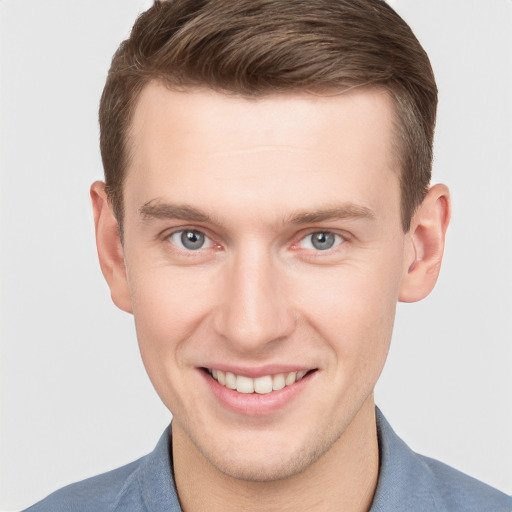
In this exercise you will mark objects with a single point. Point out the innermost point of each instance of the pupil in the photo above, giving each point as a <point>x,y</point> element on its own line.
<point>322,241</point>
<point>192,239</point>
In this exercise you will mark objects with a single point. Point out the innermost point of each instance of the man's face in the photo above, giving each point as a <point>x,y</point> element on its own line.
<point>263,239</point>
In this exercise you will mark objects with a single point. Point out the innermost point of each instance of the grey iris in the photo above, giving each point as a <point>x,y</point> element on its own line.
<point>322,241</point>
<point>192,240</point>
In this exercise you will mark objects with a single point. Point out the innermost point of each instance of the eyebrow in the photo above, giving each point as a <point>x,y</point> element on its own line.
<point>347,211</point>
<point>158,210</point>
<point>170,211</point>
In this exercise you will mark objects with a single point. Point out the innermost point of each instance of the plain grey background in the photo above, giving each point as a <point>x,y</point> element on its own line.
<point>75,400</point>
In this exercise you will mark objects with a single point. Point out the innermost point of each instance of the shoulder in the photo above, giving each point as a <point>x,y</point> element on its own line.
<point>144,485</point>
<point>409,481</point>
<point>461,492</point>
<point>97,494</point>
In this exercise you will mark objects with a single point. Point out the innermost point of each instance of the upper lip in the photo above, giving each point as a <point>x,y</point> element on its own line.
<point>260,371</point>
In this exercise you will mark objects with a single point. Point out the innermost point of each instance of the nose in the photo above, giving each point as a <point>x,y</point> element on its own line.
<point>254,309</point>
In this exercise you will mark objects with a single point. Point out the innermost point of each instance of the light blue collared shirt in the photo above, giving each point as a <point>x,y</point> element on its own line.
<point>408,482</point>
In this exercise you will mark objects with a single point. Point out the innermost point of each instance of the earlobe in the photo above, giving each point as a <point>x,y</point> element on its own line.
<point>110,249</point>
<point>425,245</point>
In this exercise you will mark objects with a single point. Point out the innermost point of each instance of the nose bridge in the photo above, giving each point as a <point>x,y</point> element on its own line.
<point>254,309</point>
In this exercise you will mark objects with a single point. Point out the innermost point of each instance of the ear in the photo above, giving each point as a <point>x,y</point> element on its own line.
<point>425,245</point>
<point>110,248</point>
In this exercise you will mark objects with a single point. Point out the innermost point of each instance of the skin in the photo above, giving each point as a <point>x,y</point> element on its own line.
<point>258,293</point>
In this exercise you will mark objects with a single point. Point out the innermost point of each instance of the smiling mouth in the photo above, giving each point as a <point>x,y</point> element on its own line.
<point>261,385</point>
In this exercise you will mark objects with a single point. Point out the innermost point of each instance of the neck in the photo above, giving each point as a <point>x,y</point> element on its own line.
<point>344,478</point>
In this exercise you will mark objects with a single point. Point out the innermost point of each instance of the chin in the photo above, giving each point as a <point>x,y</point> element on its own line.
<point>267,465</point>
<point>261,471</point>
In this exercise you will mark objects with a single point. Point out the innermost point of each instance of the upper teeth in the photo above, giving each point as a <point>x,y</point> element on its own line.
<point>261,385</point>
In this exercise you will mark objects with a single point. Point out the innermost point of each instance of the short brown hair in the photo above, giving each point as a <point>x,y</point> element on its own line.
<point>260,47</point>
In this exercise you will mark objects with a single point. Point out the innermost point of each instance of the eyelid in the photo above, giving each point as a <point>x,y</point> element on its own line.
<point>209,239</point>
<point>341,236</point>
<point>208,242</point>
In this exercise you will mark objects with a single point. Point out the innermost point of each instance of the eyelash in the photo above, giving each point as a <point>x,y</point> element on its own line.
<point>181,232</point>
<point>329,235</point>
<point>337,240</point>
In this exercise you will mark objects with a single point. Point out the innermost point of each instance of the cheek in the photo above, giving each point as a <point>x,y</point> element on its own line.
<point>168,307</point>
<point>168,310</point>
<point>167,301</point>
<point>353,309</point>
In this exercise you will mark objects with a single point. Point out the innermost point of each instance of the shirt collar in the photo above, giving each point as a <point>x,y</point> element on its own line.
<point>156,479</point>
<point>405,481</point>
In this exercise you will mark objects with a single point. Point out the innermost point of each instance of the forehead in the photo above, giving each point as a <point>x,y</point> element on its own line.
<point>336,146</point>
<point>197,110</point>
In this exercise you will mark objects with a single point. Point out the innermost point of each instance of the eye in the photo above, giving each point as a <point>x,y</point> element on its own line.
<point>320,241</point>
<point>190,239</point>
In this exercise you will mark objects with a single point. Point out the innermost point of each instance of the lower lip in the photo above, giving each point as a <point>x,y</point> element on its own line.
<point>254,404</point>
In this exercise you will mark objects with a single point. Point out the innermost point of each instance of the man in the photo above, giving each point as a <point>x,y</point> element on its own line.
<point>266,205</point>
